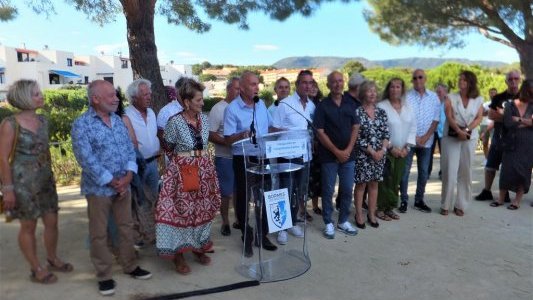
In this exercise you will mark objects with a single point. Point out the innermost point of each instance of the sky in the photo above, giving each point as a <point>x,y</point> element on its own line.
<point>335,29</point>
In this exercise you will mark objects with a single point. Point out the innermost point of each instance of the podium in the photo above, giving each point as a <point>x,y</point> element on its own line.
<point>277,179</point>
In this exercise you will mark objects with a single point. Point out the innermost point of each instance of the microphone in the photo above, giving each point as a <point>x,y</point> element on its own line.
<point>277,103</point>
<point>253,133</point>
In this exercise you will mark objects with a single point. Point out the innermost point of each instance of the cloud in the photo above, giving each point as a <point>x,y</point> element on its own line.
<point>112,49</point>
<point>266,47</point>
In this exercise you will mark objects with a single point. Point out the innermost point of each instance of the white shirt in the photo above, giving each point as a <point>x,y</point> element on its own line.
<point>295,117</point>
<point>216,125</point>
<point>402,126</point>
<point>427,110</point>
<point>169,110</point>
<point>464,115</point>
<point>146,132</point>
<point>285,117</point>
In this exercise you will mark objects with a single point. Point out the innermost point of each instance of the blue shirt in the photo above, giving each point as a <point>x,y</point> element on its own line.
<point>103,152</point>
<point>238,118</point>
<point>440,127</point>
<point>427,110</point>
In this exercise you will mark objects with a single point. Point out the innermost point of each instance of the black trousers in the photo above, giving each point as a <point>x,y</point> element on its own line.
<point>241,200</point>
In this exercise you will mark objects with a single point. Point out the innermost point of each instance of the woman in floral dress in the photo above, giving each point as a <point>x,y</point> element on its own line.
<point>372,145</point>
<point>184,218</point>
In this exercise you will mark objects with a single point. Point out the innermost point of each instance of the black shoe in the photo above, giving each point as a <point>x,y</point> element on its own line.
<point>421,206</point>
<point>403,207</point>
<point>267,244</point>
<point>224,230</point>
<point>106,287</point>
<point>507,198</point>
<point>360,226</point>
<point>248,251</point>
<point>139,273</point>
<point>236,225</point>
<point>372,224</point>
<point>485,195</point>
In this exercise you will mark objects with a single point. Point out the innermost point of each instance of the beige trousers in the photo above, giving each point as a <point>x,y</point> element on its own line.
<point>99,208</point>
<point>456,165</point>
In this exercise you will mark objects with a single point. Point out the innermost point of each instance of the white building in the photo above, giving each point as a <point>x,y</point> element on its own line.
<point>54,68</point>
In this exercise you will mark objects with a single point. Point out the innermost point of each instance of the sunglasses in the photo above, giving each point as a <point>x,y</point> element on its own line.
<point>418,77</point>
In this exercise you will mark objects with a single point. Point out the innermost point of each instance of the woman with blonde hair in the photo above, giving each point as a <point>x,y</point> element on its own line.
<point>28,184</point>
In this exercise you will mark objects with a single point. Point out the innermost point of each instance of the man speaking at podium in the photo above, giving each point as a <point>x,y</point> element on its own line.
<point>295,113</point>
<point>247,116</point>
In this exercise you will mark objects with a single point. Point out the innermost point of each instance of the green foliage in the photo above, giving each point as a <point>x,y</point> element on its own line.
<point>64,164</point>
<point>267,95</point>
<point>353,66</point>
<point>5,111</point>
<point>207,77</point>
<point>61,108</point>
<point>7,11</point>
<point>382,76</point>
<point>210,102</point>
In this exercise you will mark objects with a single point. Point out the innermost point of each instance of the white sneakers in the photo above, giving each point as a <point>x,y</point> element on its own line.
<point>347,228</point>
<point>295,230</point>
<point>329,231</point>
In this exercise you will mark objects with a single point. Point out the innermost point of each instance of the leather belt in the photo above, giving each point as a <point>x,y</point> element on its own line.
<point>193,153</point>
<point>151,159</point>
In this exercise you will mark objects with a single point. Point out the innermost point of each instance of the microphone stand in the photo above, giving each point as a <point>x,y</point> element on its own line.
<point>253,133</point>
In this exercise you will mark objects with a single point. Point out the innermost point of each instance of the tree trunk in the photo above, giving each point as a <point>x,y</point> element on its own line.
<point>143,50</point>
<point>525,53</point>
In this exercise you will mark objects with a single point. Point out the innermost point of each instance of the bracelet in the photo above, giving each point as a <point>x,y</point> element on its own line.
<point>8,188</point>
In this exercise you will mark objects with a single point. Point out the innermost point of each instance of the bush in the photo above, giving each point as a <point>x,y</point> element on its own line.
<point>210,102</point>
<point>5,111</point>
<point>61,108</point>
<point>64,164</point>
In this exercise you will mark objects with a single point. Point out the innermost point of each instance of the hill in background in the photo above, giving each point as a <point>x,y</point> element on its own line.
<point>333,62</point>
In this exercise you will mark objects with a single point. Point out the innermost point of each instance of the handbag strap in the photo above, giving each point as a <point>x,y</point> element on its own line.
<point>15,141</point>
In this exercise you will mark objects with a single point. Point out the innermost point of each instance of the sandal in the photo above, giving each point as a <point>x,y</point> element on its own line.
<point>58,266</point>
<point>181,265</point>
<point>202,258</point>
<point>513,207</point>
<point>495,204</point>
<point>48,278</point>
<point>382,216</point>
<point>443,212</point>
<point>392,215</point>
<point>317,210</point>
<point>458,212</point>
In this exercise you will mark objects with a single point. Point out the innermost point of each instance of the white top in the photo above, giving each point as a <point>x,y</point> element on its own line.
<point>402,126</point>
<point>169,110</point>
<point>285,117</point>
<point>427,109</point>
<point>146,132</point>
<point>464,116</point>
<point>216,125</point>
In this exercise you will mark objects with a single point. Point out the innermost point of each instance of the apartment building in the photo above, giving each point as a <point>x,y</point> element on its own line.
<point>54,68</point>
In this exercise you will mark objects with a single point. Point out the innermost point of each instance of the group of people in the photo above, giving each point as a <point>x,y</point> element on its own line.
<point>365,141</point>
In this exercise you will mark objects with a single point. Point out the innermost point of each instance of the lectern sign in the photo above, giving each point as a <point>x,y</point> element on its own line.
<point>286,148</point>
<point>278,210</point>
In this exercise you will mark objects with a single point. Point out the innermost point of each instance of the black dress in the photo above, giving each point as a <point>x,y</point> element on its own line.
<point>517,160</point>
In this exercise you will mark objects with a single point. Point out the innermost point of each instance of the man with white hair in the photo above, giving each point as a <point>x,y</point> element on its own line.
<point>103,149</point>
<point>143,121</point>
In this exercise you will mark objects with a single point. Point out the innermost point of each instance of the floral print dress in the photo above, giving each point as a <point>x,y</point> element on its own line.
<point>372,132</point>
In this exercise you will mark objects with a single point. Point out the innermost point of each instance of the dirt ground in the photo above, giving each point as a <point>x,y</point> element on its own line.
<point>487,254</point>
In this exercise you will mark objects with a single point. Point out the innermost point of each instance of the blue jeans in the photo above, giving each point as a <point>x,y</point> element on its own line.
<point>346,173</point>
<point>150,180</point>
<point>423,156</point>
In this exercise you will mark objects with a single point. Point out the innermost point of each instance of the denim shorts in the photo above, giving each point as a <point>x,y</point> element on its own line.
<point>494,158</point>
<point>225,175</point>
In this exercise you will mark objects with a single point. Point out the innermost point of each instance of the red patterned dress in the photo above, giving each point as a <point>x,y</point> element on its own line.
<point>183,219</point>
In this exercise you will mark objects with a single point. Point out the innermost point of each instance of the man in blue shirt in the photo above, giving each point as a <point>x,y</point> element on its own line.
<point>105,153</point>
<point>239,116</point>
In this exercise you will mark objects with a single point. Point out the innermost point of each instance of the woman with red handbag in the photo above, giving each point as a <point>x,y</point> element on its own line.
<point>189,199</point>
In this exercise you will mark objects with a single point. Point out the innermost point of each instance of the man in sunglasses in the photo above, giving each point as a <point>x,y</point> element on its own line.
<point>494,158</point>
<point>426,106</point>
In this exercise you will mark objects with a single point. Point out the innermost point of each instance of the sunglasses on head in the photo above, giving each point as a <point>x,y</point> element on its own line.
<point>418,77</point>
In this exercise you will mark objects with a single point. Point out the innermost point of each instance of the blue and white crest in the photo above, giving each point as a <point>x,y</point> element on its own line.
<point>278,213</point>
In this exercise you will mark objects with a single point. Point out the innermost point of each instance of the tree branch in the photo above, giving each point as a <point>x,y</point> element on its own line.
<point>493,15</point>
<point>495,38</point>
